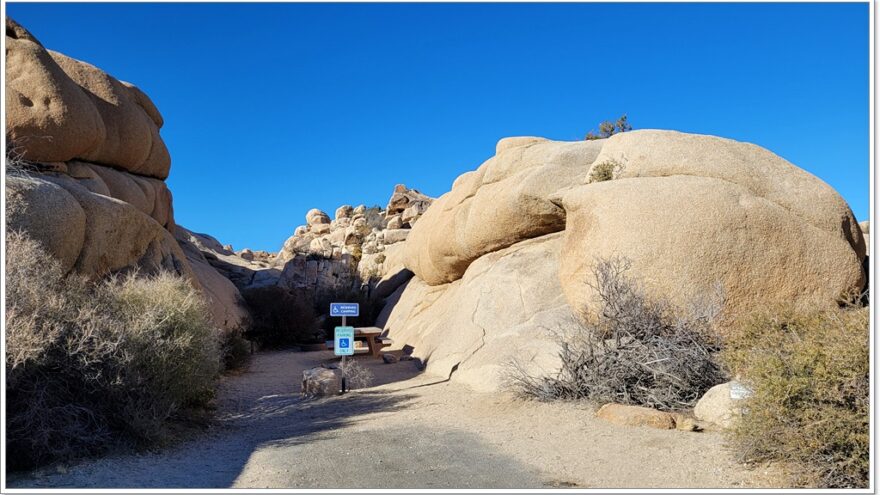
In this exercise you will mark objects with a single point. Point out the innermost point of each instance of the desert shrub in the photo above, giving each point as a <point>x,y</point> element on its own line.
<point>235,350</point>
<point>604,171</point>
<point>281,318</point>
<point>356,375</point>
<point>608,129</point>
<point>375,216</point>
<point>637,350</point>
<point>809,373</point>
<point>90,363</point>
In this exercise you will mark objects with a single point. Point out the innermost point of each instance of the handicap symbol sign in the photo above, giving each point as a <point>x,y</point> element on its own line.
<point>344,309</point>
<point>343,340</point>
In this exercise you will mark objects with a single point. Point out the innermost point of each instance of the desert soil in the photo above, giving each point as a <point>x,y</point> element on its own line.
<point>409,430</point>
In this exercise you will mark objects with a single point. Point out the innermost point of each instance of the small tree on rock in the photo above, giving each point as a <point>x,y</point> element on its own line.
<point>608,129</point>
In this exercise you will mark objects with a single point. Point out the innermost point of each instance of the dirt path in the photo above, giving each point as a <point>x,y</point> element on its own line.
<point>408,431</point>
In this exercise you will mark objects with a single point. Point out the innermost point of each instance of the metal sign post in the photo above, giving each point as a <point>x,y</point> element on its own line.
<point>343,337</point>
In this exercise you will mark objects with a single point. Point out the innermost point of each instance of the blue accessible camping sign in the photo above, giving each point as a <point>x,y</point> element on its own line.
<point>343,341</point>
<point>344,309</point>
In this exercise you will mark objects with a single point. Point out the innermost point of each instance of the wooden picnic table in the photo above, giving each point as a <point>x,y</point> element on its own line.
<point>373,336</point>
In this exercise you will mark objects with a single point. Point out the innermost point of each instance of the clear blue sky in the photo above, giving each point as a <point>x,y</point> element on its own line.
<point>273,109</point>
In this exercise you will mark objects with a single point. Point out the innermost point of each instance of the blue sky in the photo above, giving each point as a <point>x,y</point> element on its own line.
<point>273,109</point>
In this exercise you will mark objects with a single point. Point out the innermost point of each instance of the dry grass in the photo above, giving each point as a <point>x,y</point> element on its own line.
<point>91,363</point>
<point>810,408</point>
<point>638,350</point>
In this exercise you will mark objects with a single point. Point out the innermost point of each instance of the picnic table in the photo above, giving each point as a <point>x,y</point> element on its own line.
<point>374,339</point>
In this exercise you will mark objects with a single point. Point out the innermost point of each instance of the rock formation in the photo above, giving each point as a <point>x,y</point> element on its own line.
<point>504,257</point>
<point>354,251</point>
<point>478,277</point>
<point>86,169</point>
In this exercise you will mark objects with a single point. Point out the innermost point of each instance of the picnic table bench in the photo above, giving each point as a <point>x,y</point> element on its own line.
<point>374,338</point>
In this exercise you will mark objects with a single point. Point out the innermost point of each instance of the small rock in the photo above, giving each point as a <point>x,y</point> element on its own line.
<point>319,382</point>
<point>684,422</point>
<point>320,228</point>
<point>344,211</point>
<point>721,404</point>
<point>390,358</point>
<point>396,235</point>
<point>624,415</point>
<point>316,216</point>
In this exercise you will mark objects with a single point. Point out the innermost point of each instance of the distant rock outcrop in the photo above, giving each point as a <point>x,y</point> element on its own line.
<point>87,169</point>
<point>353,252</point>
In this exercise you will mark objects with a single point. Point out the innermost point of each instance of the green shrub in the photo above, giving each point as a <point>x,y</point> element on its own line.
<point>282,318</point>
<point>809,372</point>
<point>235,350</point>
<point>89,363</point>
<point>604,171</point>
<point>608,129</point>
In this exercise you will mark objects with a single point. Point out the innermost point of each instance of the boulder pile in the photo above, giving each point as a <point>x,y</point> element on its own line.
<point>360,248</point>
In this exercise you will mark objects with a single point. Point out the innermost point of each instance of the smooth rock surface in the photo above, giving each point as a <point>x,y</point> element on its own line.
<point>684,234</point>
<point>505,201</point>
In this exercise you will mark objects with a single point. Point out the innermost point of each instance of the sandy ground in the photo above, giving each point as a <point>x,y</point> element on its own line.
<point>409,430</point>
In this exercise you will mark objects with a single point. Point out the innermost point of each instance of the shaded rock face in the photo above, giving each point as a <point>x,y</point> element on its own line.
<point>91,185</point>
<point>505,306</point>
<point>507,253</point>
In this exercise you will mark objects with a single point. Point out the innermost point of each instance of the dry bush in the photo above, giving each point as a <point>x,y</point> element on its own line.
<point>809,372</point>
<point>92,363</point>
<point>356,375</point>
<point>637,350</point>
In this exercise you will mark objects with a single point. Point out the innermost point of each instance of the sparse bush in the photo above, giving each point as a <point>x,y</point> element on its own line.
<point>282,318</point>
<point>608,129</point>
<point>637,350</point>
<point>235,350</point>
<point>356,375</point>
<point>810,408</point>
<point>88,363</point>
<point>605,171</point>
<point>375,216</point>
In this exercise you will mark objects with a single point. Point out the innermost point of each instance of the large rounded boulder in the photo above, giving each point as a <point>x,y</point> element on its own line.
<point>505,201</point>
<point>693,211</point>
<point>60,109</point>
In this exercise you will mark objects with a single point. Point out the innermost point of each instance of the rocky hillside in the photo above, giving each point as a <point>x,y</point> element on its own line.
<point>86,173</point>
